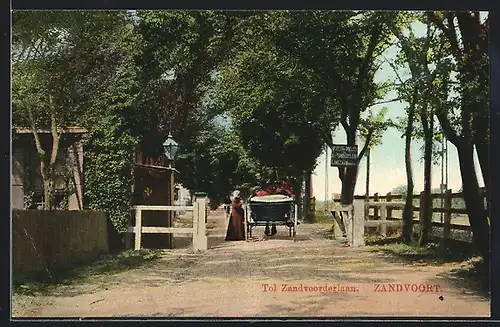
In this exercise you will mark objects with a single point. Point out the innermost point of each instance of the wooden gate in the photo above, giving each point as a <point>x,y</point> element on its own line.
<point>198,230</point>
<point>152,187</point>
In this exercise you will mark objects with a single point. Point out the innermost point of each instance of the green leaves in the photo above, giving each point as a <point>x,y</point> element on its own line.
<point>278,105</point>
<point>77,65</point>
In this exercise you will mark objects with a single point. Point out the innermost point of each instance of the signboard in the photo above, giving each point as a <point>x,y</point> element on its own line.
<point>344,155</point>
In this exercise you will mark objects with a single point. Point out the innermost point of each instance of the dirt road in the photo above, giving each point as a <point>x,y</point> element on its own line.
<point>265,277</point>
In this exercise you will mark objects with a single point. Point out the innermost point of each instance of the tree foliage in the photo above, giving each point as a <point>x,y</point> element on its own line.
<point>276,103</point>
<point>179,56</point>
<point>61,59</point>
<point>464,117</point>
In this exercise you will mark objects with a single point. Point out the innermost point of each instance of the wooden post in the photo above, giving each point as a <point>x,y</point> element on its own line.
<point>389,209</point>
<point>296,213</point>
<point>358,210</point>
<point>349,219</point>
<point>138,229</point>
<point>245,222</point>
<point>196,213</point>
<point>421,211</point>
<point>171,214</point>
<point>199,232</point>
<point>383,220</point>
<point>202,232</point>
<point>447,216</point>
<point>375,209</point>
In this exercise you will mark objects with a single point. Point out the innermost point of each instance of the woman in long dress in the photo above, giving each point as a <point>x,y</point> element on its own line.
<point>236,227</point>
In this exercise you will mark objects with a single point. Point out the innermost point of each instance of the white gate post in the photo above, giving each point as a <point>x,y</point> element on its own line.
<point>199,226</point>
<point>349,222</point>
<point>358,219</point>
<point>138,229</point>
<point>196,212</point>
<point>383,220</point>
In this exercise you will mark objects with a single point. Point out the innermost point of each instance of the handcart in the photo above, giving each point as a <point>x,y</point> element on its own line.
<point>277,209</point>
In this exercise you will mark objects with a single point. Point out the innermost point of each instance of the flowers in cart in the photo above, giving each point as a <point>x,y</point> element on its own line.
<point>283,188</point>
<point>272,204</point>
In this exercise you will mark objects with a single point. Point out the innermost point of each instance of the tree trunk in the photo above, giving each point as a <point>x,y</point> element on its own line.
<point>426,222</point>
<point>407,234</point>
<point>480,125</point>
<point>47,172</point>
<point>56,137</point>
<point>476,211</point>
<point>348,185</point>
<point>427,210</point>
<point>49,193</point>
<point>349,175</point>
<point>483,156</point>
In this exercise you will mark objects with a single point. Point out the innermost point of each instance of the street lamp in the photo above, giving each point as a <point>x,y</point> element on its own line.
<point>171,149</point>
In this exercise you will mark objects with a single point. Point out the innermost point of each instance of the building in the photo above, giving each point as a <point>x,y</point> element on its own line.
<point>154,185</point>
<point>182,196</point>
<point>27,184</point>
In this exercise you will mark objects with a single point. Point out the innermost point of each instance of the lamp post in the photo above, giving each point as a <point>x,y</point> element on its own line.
<point>171,149</point>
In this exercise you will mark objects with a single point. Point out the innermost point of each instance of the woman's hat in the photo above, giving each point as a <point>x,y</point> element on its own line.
<point>236,194</point>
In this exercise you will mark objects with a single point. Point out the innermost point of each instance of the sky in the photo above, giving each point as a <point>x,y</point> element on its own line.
<point>387,161</point>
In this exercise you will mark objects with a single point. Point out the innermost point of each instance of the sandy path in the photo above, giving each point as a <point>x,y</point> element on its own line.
<point>228,280</point>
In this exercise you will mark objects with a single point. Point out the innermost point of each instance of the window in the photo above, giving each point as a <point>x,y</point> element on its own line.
<point>60,200</point>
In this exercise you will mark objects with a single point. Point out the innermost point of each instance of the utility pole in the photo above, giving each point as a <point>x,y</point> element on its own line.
<point>326,178</point>
<point>442,176</point>
<point>446,162</point>
<point>367,193</point>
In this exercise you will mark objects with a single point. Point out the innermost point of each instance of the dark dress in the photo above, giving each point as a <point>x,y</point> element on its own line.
<point>236,227</point>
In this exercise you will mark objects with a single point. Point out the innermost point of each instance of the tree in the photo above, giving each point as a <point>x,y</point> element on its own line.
<point>110,145</point>
<point>400,189</point>
<point>214,161</point>
<point>179,55</point>
<point>276,105</point>
<point>418,54</point>
<point>470,50</point>
<point>59,59</point>
<point>341,49</point>
<point>462,117</point>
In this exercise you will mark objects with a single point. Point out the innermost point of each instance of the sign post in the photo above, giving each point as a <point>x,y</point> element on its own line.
<point>344,155</point>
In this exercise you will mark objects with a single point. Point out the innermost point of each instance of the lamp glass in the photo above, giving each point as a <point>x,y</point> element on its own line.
<point>171,148</point>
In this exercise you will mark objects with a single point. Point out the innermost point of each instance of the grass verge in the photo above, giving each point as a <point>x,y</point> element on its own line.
<point>468,272</point>
<point>322,217</point>
<point>432,253</point>
<point>41,283</point>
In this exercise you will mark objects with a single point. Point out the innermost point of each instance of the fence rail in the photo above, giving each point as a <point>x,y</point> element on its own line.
<point>394,202</point>
<point>198,230</point>
<point>384,206</point>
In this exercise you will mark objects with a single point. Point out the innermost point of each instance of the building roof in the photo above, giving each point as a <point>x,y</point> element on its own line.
<point>67,130</point>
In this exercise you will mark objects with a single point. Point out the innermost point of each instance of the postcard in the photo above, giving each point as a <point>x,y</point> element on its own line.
<point>250,164</point>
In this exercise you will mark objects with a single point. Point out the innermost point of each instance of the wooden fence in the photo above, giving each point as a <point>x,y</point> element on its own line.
<point>381,211</point>
<point>198,230</point>
<point>385,206</point>
<point>54,239</point>
<point>447,205</point>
